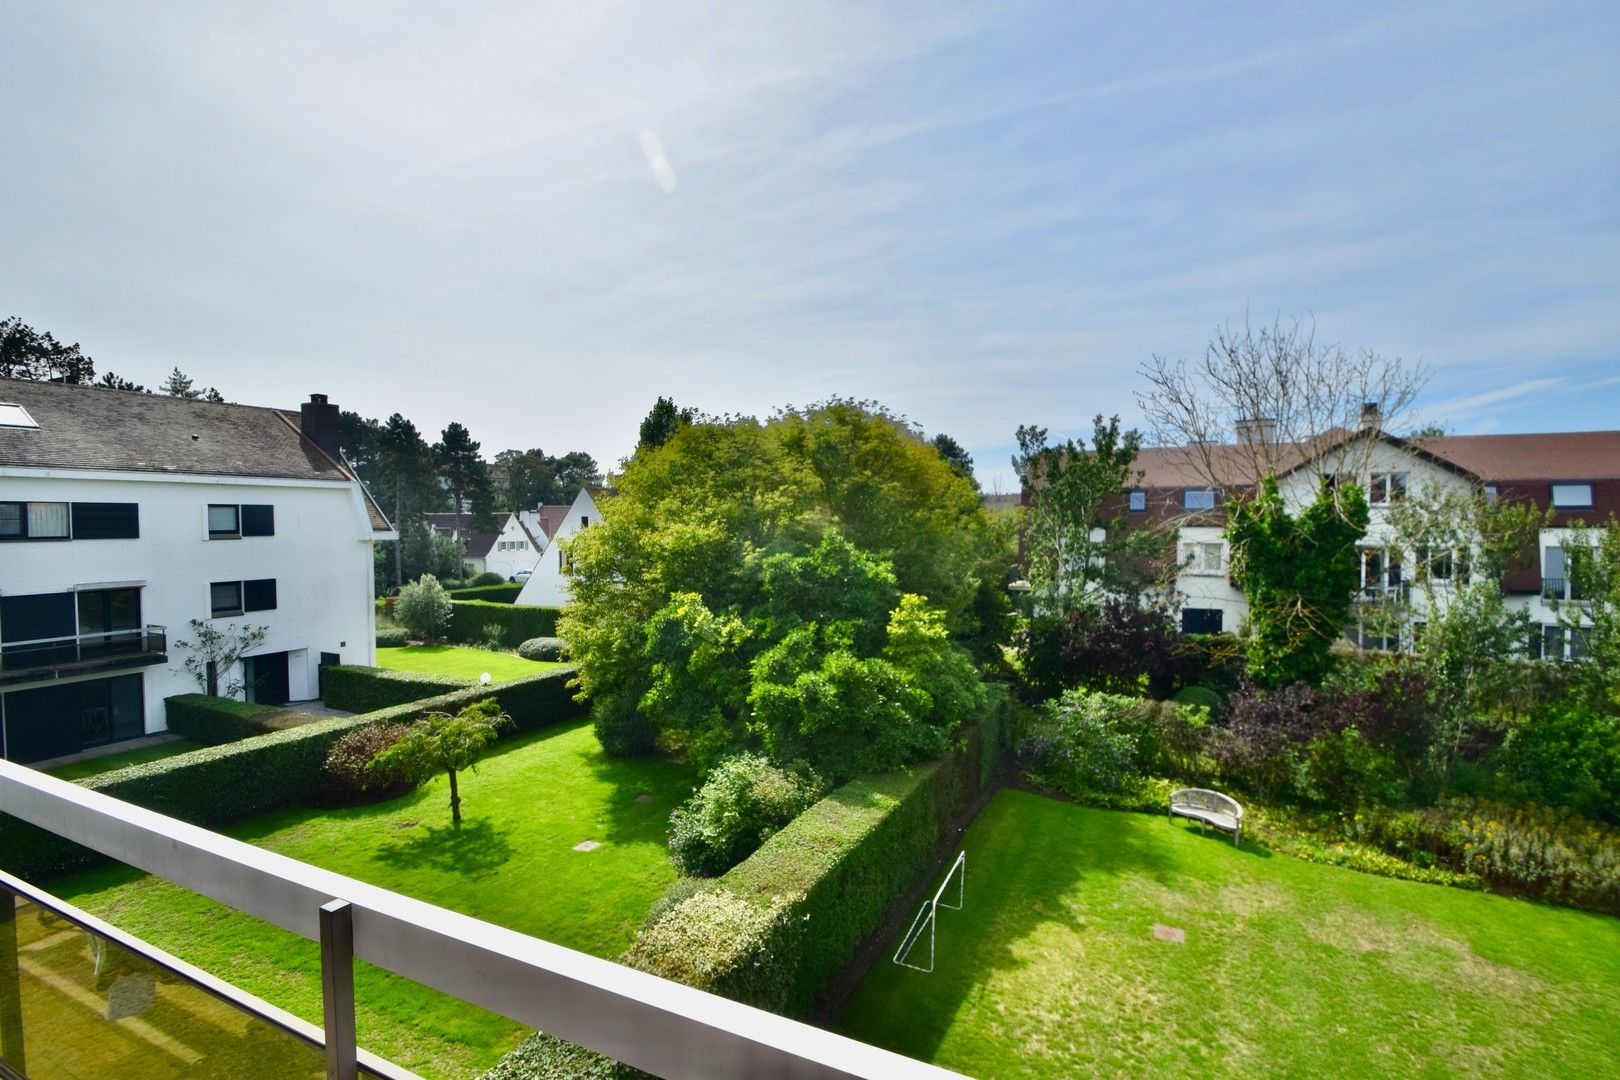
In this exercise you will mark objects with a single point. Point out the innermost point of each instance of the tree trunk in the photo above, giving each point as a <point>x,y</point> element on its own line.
<point>399,530</point>
<point>455,800</point>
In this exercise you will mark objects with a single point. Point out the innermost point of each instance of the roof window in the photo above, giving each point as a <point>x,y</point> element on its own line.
<point>14,415</point>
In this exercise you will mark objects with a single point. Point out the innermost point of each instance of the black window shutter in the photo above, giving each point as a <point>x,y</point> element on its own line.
<point>106,521</point>
<point>259,595</point>
<point>258,520</point>
<point>37,616</point>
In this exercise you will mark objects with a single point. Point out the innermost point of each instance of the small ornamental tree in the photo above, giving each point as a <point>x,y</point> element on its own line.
<point>1299,575</point>
<point>441,742</point>
<point>423,609</point>
<point>217,650</point>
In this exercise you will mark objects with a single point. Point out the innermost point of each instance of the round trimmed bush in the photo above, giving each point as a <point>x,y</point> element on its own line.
<point>488,577</point>
<point>392,639</point>
<point>350,779</point>
<point>741,804</point>
<point>543,648</point>
<point>1200,695</point>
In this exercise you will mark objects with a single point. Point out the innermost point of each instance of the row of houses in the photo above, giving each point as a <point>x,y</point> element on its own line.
<point>1574,477</point>
<point>128,519</point>
<point>524,545</point>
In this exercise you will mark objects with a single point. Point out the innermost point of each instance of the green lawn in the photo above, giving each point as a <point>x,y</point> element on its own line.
<point>79,770</point>
<point>1289,968</point>
<point>460,661</point>
<point>512,862</point>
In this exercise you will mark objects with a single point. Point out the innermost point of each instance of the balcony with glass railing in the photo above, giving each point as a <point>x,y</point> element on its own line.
<point>83,654</point>
<point>79,998</point>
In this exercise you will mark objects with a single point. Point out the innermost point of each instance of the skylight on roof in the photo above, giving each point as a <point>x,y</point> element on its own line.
<point>14,415</point>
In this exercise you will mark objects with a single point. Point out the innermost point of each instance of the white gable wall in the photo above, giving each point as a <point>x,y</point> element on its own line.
<point>549,585</point>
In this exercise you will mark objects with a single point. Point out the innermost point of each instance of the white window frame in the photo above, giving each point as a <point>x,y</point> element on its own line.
<point>1136,501</point>
<point>1585,502</point>
<point>1389,480</point>
<point>1187,498</point>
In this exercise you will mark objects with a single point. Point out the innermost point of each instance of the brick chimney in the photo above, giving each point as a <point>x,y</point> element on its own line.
<point>320,425</point>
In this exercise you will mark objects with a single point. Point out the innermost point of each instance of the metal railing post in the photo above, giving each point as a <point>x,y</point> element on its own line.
<point>11,1018</point>
<point>337,989</point>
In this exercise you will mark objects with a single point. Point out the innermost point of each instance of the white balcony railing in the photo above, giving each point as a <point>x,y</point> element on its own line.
<point>645,1021</point>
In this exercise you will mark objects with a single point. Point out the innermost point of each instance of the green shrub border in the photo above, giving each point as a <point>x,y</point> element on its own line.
<point>777,929</point>
<point>496,594</point>
<point>357,689</point>
<point>222,784</point>
<point>214,720</point>
<point>473,622</point>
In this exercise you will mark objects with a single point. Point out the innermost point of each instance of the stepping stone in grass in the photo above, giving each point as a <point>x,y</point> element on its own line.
<point>587,845</point>
<point>643,798</point>
<point>1170,933</point>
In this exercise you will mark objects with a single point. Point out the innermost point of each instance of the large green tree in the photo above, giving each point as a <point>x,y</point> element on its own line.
<point>662,421</point>
<point>1299,575</point>
<point>26,353</point>
<point>406,482</point>
<point>801,586</point>
<point>466,475</point>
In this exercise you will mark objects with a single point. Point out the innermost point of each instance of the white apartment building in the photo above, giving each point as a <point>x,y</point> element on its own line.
<point>124,516</point>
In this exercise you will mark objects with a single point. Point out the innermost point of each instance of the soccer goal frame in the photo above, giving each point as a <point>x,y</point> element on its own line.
<point>927,916</point>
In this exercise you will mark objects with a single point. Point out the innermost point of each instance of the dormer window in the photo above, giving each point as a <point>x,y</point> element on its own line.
<point>1572,496</point>
<point>1198,499</point>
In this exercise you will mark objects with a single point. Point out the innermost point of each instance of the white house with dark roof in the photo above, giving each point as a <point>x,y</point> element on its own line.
<point>1573,475</point>
<point>548,585</point>
<point>124,516</point>
<point>505,551</point>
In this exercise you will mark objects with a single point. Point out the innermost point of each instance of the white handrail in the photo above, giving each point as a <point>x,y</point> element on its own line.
<point>652,1023</point>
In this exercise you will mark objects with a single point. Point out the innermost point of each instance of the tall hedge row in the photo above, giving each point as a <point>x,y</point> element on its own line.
<point>473,621</point>
<point>358,689</point>
<point>776,929</point>
<point>781,925</point>
<point>495,594</point>
<point>223,784</point>
<point>214,720</point>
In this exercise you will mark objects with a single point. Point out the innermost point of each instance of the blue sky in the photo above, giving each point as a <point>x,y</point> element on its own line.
<point>536,218</point>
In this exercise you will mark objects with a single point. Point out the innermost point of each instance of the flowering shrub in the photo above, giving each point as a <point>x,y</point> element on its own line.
<point>1535,851</point>
<point>742,803</point>
<point>349,779</point>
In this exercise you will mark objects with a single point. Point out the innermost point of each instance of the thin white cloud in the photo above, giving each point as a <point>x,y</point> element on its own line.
<point>1458,407</point>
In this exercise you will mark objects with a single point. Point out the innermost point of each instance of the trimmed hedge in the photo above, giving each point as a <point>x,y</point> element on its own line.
<point>496,594</point>
<point>473,621</point>
<point>219,785</point>
<point>392,639</point>
<point>214,720</point>
<point>777,928</point>
<point>357,689</point>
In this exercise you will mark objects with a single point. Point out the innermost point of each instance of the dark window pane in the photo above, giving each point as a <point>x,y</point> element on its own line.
<point>11,519</point>
<point>225,597</point>
<point>259,595</point>
<point>106,521</point>
<point>126,703</point>
<point>258,521</point>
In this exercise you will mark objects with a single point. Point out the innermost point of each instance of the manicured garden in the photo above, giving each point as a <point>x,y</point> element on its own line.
<point>1053,967</point>
<point>513,861</point>
<point>459,661</point>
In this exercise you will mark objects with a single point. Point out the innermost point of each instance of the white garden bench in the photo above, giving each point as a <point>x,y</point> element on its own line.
<point>1208,808</point>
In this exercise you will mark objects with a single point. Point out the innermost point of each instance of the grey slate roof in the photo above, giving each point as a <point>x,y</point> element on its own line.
<point>94,428</point>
